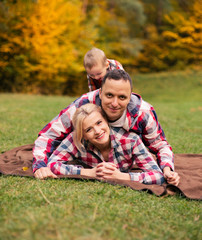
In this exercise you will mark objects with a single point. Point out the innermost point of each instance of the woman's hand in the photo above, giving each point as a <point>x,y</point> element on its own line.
<point>109,171</point>
<point>99,171</point>
<point>105,168</point>
<point>88,172</point>
<point>105,171</point>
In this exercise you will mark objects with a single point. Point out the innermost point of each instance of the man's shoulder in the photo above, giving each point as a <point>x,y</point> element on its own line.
<point>123,136</point>
<point>137,104</point>
<point>90,97</point>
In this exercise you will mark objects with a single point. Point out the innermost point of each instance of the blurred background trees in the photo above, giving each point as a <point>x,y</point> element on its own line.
<point>42,43</point>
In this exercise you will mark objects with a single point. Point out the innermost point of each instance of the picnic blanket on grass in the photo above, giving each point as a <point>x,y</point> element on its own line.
<point>18,162</point>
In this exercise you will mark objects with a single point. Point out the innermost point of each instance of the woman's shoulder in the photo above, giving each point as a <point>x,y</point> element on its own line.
<point>121,134</point>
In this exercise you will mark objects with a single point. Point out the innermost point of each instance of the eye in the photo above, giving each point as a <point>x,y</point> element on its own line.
<point>99,122</point>
<point>122,97</point>
<point>109,95</point>
<point>88,130</point>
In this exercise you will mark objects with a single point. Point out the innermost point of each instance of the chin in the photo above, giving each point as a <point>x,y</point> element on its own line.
<point>113,118</point>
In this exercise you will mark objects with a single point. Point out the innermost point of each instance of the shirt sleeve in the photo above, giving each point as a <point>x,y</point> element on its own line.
<point>151,174</point>
<point>53,133</point>
<point>113,64</point>
<point>91,84</point>
<point>154,138</point>
<point>119,65</point>
<point>60,160</point>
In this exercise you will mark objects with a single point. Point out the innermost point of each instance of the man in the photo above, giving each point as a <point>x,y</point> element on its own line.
<point>123,109</point>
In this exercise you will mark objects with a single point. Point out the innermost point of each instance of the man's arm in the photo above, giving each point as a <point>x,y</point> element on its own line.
<point>51,136</point>
<point>154,138</point>
<point>151,174</point>
<point>55,131</point>
<point>44,172</point>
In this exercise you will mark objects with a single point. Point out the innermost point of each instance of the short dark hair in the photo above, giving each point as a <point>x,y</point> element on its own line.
<point>117,74</point>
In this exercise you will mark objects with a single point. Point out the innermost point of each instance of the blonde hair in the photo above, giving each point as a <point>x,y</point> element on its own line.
<point>93,57</point>
<point>78,118</point>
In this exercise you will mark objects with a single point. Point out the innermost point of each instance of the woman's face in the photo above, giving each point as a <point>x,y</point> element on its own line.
<point>96,130</point>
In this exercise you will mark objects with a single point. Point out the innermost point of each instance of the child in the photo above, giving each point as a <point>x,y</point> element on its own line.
<point>97,65</point>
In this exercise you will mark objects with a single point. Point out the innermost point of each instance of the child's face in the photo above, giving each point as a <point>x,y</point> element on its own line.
<point>98,71</point>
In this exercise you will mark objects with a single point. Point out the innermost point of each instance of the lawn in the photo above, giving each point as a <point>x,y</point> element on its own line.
<point>90,210</point>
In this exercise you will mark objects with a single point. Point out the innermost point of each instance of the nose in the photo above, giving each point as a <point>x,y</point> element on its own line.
<point>115,102</point>
<point>97,129</point>
<point>97,78</point>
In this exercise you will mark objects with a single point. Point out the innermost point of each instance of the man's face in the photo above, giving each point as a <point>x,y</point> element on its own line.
<point>98,71</point>
<point>115,96</point>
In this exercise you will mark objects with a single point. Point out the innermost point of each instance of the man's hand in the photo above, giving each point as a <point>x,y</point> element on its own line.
<point>43,173</point>
<point>171,177</point>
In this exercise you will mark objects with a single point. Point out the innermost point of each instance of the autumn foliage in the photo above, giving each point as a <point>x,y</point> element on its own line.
<point>42,43</point>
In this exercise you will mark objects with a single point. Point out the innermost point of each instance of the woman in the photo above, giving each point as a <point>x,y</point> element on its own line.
<point>107,153</point>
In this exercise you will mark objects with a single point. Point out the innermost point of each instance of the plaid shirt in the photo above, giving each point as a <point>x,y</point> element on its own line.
<point>127,150</point>
<point>94,84</point>
<point>140,118</point>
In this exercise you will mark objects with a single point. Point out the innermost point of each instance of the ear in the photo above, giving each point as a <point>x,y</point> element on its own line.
<point>107,64</point>
<point>100,92</point>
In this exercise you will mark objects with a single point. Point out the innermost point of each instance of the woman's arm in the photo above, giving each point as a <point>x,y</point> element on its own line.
<point>58,162</point>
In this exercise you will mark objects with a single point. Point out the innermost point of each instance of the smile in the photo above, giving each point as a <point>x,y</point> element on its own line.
<point>114,109</point>
<point>100,136</point>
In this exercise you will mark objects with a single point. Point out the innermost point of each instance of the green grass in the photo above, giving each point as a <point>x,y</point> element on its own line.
<point>85,210</point>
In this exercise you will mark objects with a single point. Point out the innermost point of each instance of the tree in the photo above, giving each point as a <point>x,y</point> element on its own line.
<point>177,43</point>
<point>184,37</point>
<point>45,47</point>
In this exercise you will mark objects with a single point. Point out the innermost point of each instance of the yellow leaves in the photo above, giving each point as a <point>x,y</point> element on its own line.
<point>170,36</point>
<point>45,41</point>
<point>152,32</point>
<point>197,9</point>
<point>6,48</point>
<point>25,168</point>
<point>3,64</point>
<point>174,18</point>
<point>187,40</point>
<point>188,30</point>
<point>50,33</point>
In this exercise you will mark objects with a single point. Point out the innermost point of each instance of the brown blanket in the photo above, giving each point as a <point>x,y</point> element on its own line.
<point>18,161</point>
